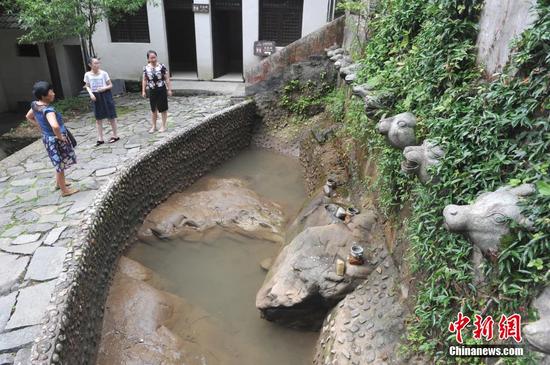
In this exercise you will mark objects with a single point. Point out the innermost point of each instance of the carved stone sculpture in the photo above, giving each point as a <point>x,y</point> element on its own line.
<point>419,158</point>
<point>336,57</point>
<point>345,61</point>
<point>350,69</point>
<point>334,52</point>
<point>350,79</point>
<point>399,130</point>
<point>538,333</point>
<point>485,221</point>
<point>362,90</point>
<point>331,48</point>
<point>373,99</point>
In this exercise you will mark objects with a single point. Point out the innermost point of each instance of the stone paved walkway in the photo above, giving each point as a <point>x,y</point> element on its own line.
<point>37,224</point>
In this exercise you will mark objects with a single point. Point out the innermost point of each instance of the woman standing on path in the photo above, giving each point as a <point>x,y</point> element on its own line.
<point>99,85</point>
<point>54,134</point>
<point>156,80</point>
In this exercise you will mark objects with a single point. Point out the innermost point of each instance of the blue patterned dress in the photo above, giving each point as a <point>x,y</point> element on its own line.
<point>61,153</point>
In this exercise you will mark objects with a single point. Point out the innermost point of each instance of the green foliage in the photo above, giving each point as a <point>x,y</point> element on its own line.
<point>304,98</point>
<point>72,105</point>
<point>45,21</point>
<point>494,133</point>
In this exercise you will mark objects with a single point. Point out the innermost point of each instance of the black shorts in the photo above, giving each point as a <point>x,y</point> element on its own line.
<point>158,98</point>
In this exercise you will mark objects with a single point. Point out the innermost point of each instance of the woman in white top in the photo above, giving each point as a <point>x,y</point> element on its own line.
<point>98,85</point>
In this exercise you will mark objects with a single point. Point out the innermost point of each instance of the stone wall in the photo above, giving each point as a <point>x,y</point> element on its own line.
<point>310,45</point>
<point>71,330</point>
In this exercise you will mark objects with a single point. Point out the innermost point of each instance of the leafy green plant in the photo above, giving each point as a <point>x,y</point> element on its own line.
<point>494,132</point>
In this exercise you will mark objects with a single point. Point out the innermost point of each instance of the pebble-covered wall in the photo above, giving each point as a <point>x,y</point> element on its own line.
<point>72,327</point>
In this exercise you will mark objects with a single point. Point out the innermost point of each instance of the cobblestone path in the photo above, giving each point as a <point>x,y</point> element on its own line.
<point>37,224</point>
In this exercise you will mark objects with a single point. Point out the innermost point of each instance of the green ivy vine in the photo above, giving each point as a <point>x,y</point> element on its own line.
<point>495,132</point>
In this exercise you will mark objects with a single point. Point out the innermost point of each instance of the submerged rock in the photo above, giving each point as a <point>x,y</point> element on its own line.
<point>139,322</point>
<point>302,284</point>
<point>223,203</point>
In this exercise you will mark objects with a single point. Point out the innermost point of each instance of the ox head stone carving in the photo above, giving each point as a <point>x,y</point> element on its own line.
<point>399,130</point>
<point>345,61</point>
<point>337,57</point>
<point>419,158</point>
<point>331,52</point>
<point>373,99</point>
<point>349,79</point>
<point>485,221</point>
<point>350,69</point>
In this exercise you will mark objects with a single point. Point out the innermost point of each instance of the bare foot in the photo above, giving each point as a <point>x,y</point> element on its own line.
<point>162,129</point>
<point>57,186</point>
<point>152,130</point>
<point>69,192</point>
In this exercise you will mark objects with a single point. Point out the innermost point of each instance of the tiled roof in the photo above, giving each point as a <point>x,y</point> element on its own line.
<point>8,22</point>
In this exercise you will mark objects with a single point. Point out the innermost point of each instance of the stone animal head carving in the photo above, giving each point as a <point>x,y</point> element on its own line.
<point>485,221</point>
<point>361,91</point>
<point>350,69</point>
<point>345,61</point>
<point>333,52</point>
<point>419,158</point>
<point>349,79</point>
<point>331,48</point>
<point>337,57</point>
<point>538,333</point>
<point>399,130</point>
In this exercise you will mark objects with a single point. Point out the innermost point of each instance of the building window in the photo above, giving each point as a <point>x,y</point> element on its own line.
<point>28,50</point>
<point>130,27</point>
<point>281,21</point>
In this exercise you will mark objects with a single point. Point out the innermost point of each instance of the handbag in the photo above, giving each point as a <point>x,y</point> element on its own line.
<point>71,137</point>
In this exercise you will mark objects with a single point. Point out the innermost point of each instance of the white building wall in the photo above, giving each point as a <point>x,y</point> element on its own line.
<point>203,41</point>
<point>315,15</point>
<point>18,74</point>
<point>251,32</point>
<point>126,60</point>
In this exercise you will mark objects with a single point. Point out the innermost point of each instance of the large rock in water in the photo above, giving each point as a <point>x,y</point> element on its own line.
<point>140,322</point>
<point>302,283</point>
<point>221,203</point>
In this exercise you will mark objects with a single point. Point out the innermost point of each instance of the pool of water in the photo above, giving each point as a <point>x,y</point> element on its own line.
<point>222,275</point>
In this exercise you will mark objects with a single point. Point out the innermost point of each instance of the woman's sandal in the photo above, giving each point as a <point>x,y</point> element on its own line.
<point>113,139</point>
<point>99,143</point>
<point>69,193</point>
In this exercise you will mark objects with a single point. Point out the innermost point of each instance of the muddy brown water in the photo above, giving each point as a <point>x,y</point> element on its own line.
<point>222,275</point>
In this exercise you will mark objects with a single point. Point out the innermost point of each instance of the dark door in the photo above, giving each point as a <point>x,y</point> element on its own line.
<point>54,69</point>
<point>180,29</point>
<point>227,37</point>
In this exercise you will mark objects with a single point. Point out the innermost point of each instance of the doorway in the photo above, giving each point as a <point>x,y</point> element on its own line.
<point>180,29</point>
<point>227,39</point>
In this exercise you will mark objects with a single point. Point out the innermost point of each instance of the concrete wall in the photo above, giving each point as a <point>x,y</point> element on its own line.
<point>72,328</point>
<point>126,60</point>
<point>313,44</point>
<point>203,37</point>
<point>314,15</point>
<point>18,74</point>
<point>251,32</point>
<point>501,21</point>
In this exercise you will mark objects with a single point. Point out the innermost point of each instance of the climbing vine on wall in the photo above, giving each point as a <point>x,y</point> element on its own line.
<point>494,133</point>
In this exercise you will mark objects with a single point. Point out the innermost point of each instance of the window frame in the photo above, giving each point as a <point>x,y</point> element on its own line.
<point>282,39</point>
<point>128,21</point>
